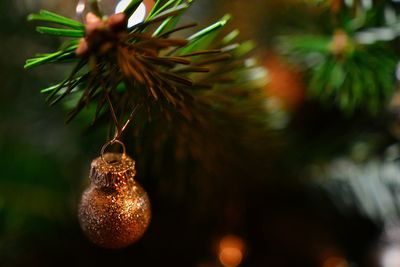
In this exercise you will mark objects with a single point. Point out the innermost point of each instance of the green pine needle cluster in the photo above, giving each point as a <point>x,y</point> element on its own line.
<point>146,67</point>
<point>346,61</point>
<point>360,78</point>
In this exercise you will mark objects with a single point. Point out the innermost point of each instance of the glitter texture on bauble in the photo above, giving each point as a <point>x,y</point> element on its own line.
<point>114,211</point>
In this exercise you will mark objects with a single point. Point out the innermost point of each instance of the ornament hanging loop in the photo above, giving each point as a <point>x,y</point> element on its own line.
<point>109,143</point>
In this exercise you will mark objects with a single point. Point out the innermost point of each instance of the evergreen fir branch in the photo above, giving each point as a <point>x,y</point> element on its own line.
<point>350,64</point>
<point>241,50</point>
<point>230,37</point>
<point>203,38</point>
<point>228,96</point>
<point>171,22</point>
<point>56,57</point>
<point>47,16</point>
<point>61,32</point>
<point>142,65</point>
<point>157,9</point>
<point>177,29</point>
<point>133,5</point>
<point>70,82</point>
<point>362,76</point>
<point>214,27</point>
<point>165,15</point>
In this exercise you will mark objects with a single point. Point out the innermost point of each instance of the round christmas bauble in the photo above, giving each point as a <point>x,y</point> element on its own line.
<point>114,211</point>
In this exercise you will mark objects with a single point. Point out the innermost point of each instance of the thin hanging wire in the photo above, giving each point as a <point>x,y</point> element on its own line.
<point>81,6</point>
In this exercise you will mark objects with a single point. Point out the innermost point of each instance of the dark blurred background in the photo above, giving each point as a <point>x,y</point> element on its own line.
<point>316,187</point>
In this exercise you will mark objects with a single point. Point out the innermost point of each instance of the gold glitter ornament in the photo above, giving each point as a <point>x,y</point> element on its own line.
<point>114,211</point>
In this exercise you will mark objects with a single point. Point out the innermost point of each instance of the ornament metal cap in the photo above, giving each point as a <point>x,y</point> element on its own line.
<point>112,170</point>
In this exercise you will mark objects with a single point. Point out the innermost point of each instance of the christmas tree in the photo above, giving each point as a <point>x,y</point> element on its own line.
<point>267,137</point>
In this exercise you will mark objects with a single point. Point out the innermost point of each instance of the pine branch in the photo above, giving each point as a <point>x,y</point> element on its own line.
<point>351,66</point>
<point>142,65</point>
